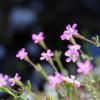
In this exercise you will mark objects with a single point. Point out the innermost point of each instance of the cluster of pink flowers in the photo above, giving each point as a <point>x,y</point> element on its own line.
<point>47,55</point>
<point>58,79</point>
<point>84,67</point>
<point>5,80</point>
<point>69,32</point>
<point>38,37</point>
<point>72,53</point>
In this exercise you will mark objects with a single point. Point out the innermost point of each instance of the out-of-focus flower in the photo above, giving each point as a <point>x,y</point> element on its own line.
<point>72,80</point>
<point>69,32</point>
<point>21,54</point>
<point>74,47</point>
<point>55,80</point>
<point>84,67</point>
<point>3,80</point>
<point>37,37</point>
<point>72,55</point>
<point>46,55</point>
<point>15,79</point>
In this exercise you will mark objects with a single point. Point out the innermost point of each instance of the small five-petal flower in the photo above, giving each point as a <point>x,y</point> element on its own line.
<point>74,47</point>
<point>72,55</point>
<point>84,67</point>
<point>3,80</point>
<point>37,37</point>
<point>69,32</point>
<point>55,80</point>
<point>21,54</point>
<point>46,55</point>
<point>15,79</point>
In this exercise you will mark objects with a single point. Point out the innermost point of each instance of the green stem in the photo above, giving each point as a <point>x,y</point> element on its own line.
<point>51,62</point>
<point>83,38</point>
<point>60,64</point>
<point>43,45</point>
<point>38,68</point>
<point>9,92</point>
<point>73,41</point>
<point>71,96</point>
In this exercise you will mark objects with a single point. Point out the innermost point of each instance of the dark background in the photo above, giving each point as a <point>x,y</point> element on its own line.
<point>20,18</point>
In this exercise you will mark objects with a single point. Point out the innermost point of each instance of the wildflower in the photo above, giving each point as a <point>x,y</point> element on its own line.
<point>72,81</point>
<point>84,67</point>
<point>66,36</point>
<point>15,79</point>
<point>3,80</point>
<point>37,37</point>
<point>75,82</point>
<point>72,55</point>
<point>46,55</point>
<point>21,54</point>
<point>74,47</point>
<point>69,32</point>
<point>55,80</point>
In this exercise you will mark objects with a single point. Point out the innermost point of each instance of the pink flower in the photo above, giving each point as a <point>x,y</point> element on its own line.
<point>74,47</point>
<point>77,83</point>
<point>69,32</point>
<point>84,67</point>
<point>3,80</point>
<point>46,55</point>
<point>55,80</point>
<point>21,54</point>
<point>72,55</point>
<point>66,36</point>
<point>15,79</point>
<point>38,37</point>
<point>72,81</point>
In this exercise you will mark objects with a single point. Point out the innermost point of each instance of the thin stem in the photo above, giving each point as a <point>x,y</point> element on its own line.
<point>14,91</point>
<point>83,38</point>
<point>9,92</point>
<point>38,68</point>
<point>43,45</point>
<point>30,62</point>
<point>60,64</point>
<point>73,41</point>
<point>51,62</point>
<point>71,96</point>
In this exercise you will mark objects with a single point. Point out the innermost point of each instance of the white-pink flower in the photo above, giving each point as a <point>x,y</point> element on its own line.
<point>21,54</point>
<point>15,79</point>
<point>3,80</point>
<point>46,55</point>
<point>55,80</point>
<point>69,32</point>
<point>72,55</point>
<point>72,80</point>
<point>84,67</point>
<point>38,37</point>
<point>74,47</point>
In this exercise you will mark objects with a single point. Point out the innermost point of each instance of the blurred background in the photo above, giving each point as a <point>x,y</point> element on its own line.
<point>19,19</point>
